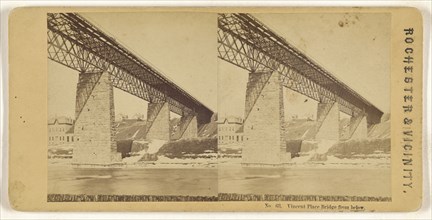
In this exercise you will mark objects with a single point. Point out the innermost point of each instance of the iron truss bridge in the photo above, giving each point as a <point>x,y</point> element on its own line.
<point>77,44</point>
<point>249,44</point>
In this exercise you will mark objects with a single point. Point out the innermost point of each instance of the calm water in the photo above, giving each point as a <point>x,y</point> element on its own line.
<point>66,180</point>
<point>310,181</point>
<point>206,181</point>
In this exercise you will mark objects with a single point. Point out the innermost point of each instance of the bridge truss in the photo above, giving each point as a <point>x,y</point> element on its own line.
<point>249,44</point>
<point>79,45</point>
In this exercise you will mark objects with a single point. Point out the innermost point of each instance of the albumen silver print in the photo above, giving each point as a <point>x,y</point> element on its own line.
<point>216,109</point>
<point>123,123</point>
<point>303,128</point>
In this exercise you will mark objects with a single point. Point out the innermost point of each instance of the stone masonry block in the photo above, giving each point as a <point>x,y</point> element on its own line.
<point>158,120</point>
<point>359,131</point>
<point>94,127</point>
<point>263,128</point>
<point>328,121</point>
<point>191,130</point>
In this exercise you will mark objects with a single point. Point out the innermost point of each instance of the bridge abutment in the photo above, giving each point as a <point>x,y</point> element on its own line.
<point>264,118</point>
<point>327,121</point>
<point>94,128</point>
<point>158,121</point>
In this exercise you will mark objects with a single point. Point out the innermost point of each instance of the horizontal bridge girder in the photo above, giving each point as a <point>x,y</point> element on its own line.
<point>249,44</point>
<point>77,44</point>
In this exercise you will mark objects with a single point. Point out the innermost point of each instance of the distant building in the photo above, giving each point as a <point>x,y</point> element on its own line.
<point>230,131</point>
<point>60,131</point>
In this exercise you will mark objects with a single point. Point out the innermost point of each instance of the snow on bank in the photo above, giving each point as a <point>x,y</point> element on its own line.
<point>134,159</point>
<point>324,146</point>
<point>165,162</point>
<point>60,161</point>
<point>376,160</point>
<point>357,161</point>
<point>153,147</point>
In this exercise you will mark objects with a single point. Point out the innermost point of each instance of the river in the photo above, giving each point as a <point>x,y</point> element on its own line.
<point>210,181</point>
<point>306,181</point>
<point>132,181</point>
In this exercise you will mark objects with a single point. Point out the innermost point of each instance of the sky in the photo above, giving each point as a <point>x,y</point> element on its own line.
<point>355,48</point>
<point>182,46</point>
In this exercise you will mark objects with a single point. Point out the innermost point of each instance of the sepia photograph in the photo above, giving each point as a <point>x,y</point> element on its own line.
<point>304,107</point>
<point>299,119</point>
<point>216,109</point>
<point>131,107</point>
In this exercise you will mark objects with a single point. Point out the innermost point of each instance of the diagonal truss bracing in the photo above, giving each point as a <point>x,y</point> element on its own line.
<point>79,45</point>
<point>249,44</point>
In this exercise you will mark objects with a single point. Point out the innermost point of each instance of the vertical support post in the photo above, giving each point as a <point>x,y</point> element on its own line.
<point>263,126</point>
<point>94,127</point>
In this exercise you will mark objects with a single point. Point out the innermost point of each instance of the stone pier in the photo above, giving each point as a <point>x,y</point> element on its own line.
<point>188,127</point>
<point>94,126</point>
<point>328,121</point>
<point>158,121</point>
<point>263,126</point>
<point>358,127</point>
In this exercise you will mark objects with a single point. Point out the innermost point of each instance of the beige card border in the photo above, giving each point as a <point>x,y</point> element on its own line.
<point>28,115</point>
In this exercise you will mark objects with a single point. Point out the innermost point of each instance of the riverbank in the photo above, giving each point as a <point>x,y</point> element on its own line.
<point>162,162</point>
<point>360,162</point>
